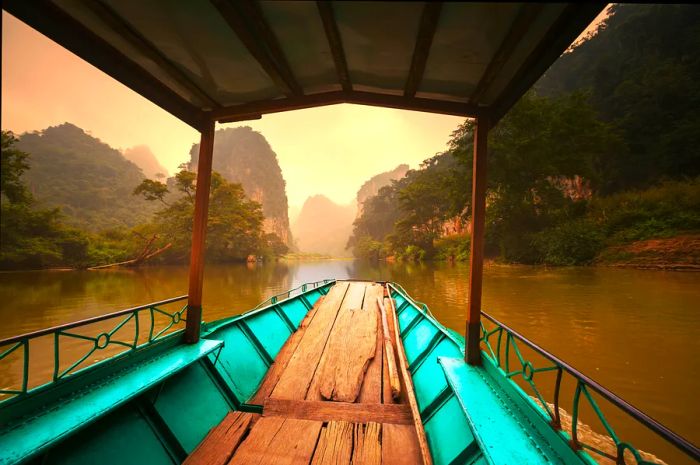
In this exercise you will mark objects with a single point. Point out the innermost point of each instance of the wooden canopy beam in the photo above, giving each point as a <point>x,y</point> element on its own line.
<point>135,38</point>
<point>573,19</point>
<point>325,10</point>
<point>254,109</point>
<point>426,32</point>
<point>527,14</point>
<point>247,21</point>
<point>476,257</point>
<point>199,230</point>
<point>57,25</point>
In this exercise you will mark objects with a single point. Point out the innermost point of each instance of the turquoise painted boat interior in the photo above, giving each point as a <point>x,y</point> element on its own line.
<point>156,404</point>
<point>472,415</point>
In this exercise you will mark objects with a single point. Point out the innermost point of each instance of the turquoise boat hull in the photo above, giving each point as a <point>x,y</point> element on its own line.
<point>156,404</point>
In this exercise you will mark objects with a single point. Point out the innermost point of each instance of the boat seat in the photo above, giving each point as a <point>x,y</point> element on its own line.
<point>54,422</point>
<point>503,430</point>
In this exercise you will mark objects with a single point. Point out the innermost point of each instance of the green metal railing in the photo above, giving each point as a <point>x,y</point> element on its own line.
<point>291,293</point>
<point>506,343</point>
<point>501,353</point>
<point>100,341</point>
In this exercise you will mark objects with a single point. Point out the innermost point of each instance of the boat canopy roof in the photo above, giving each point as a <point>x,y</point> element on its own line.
<point>233,60</point>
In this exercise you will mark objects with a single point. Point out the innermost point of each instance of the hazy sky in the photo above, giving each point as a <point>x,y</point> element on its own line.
<point>328,150</point>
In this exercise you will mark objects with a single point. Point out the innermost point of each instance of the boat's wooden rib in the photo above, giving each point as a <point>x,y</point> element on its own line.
<point>347,411</point>
<point>410,393</point>
<point>285,354</point>
<point>221,442</point>
<point>392,373</point>
<point>295,379</point>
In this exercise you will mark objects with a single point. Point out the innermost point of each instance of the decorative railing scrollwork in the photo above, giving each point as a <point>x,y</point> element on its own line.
<point>93,331</point>
<point>505,353</point>
<point>506,343</point>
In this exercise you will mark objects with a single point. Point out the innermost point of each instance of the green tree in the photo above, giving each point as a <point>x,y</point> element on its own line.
<point>234,227</point>
<point>32,238</point>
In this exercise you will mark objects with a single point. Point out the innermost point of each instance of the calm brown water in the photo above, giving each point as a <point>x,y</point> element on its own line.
<point>634,331</point>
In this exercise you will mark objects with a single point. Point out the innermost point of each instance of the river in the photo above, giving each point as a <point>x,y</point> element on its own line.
<point>634,331</point>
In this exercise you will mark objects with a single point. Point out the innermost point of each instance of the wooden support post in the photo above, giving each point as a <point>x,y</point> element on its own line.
<point>199,230</point>
<point>476,259</point>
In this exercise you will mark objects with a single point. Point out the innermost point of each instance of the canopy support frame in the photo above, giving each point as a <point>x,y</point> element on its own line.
<point>199,230</point>
<point>476,257</point>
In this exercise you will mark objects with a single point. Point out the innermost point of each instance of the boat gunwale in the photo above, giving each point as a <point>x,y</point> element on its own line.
<point>645,420</point>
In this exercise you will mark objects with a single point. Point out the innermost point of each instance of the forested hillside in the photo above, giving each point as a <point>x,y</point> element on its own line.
<point>371,187</point>
<point>90,181</point>
<point>641,72</point>
<point>243,156</point>
<point>601,154</point>
<point>86,206</point>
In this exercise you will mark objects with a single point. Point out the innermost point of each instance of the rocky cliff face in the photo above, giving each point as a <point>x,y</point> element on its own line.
<point>371,188</point>
<point>244,156</point>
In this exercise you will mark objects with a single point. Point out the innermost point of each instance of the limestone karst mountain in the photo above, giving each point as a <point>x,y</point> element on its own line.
<point>323,227</point>
<point>244,156</point>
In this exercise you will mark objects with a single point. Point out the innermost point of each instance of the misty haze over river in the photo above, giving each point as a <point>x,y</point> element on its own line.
<point>634,331</point>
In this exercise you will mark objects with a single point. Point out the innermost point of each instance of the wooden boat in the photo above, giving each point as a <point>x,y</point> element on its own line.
<point>331,372</point>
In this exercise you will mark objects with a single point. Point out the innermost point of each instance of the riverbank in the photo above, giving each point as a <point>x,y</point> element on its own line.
<point>680,253</point>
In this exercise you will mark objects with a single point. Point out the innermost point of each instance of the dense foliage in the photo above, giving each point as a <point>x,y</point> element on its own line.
<point>33,236</point>
<point>584,162</point>
<point>87,179</point>
<point>234,227</point>
<point>643,73</point>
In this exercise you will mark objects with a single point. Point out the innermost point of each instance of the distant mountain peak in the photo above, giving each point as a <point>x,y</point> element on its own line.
<point>323,226</point>
<point>142,156</point>
<point>371,187</point>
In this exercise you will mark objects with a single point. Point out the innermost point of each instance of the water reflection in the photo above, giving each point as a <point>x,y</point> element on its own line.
<point>634,331</point>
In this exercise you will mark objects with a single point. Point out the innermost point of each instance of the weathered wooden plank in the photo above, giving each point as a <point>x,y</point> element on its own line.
<point>400,445</point>
<point>387,395</point>
<point>371,390</point>
<point>295,379</point>
<point>367,449</point>
<point>277,440</point>
<point>410,393</point>
<point>392,373</point>
<point>353,299</point>
<point>347,411</point>
<point>277,368</point>
<point>335,444</point>
<point>221,442</point>
<point>351,346</point>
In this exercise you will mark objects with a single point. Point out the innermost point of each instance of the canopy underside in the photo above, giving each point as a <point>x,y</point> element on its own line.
<point>233,60</point>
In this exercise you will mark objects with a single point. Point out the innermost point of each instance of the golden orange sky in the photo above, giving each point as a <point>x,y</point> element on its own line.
<point>329,150</point>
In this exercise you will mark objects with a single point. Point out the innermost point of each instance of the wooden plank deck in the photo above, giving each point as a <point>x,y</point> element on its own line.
<point>336,354</point>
